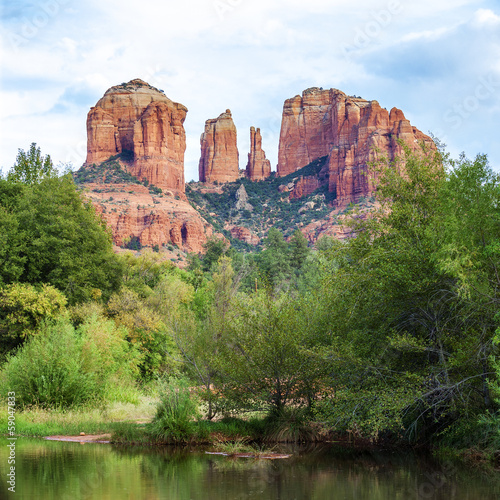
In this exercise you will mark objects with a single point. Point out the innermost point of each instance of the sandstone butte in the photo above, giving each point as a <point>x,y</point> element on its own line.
<point>258,166</point>
<point>219,151</point>
<point>145,127</point>
<point>349,130</point>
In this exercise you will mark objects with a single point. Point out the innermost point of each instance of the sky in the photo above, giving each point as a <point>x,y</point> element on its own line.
<point>437,60</point>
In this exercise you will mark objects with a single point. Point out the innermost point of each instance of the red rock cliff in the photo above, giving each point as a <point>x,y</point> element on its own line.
<point>350,130</point>
<point>140,121</point>
<point>130,210</point>
<point>219,151</point>
<point>258,167</point>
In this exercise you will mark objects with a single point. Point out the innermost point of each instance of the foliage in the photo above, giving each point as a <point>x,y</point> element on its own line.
<point>31,167</point>
<point>274,261</point>
<point>177,410</point>
<point>214,248</point>
<point>143,272</point>
<point>23,310</point>
<point>48,370</point>
<point>62,241</point>
<point>199,342</point>
<point>106,352</point>
<point>299,250</point>
<point>145,329</point>
<point>266,360</point>
<point>12,235</point>
<point>61,367</point>
<point>409,351</point>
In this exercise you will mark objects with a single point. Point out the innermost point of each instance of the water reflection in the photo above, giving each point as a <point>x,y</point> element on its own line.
<point>71,471</point>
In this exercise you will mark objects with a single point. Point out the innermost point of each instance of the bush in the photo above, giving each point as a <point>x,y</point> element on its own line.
<point>61,367</point>
<point>47,370</point>
<point>177,410</point>
<point>23,309</point>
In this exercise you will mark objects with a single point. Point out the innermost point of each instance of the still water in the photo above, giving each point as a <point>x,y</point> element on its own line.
<point>48,470</point>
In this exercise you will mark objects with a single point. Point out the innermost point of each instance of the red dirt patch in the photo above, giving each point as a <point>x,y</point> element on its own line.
<point>89,438</point>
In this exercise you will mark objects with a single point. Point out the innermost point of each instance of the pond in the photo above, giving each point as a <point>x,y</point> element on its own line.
<point>74,471</point>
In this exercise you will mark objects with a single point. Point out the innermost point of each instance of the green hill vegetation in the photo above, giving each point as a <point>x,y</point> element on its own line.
<point>391,336</point>
<point>271,209</point>
<point>110,172</point>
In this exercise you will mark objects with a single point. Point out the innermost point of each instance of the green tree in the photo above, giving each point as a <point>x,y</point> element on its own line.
<point>299,249</point>
<point>31,167</point>
<point>274,261</point>
<point>23,310</point>
<point>407,349</point>
<point>471,222</point>
<point>65,243</point>
<point>267,359</point>
<point>214,249</point>
<point>12,235</point>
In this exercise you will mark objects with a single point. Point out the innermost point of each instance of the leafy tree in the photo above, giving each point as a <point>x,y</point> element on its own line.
<point>31,167</point>
<point>200,344</point>
<point>214,249</point>
<point>299,249</point>
<point>403,337</point>
<point>274,261</point>
<point>145,329</point>
<point>267,361</point>
<point>65,243</point>
<point>471,222</point>
<point>12,235</point>
<point>23,310</point>
<point>144,272</point>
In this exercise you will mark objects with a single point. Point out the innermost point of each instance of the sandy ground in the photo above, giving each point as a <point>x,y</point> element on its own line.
<point>88,438</point>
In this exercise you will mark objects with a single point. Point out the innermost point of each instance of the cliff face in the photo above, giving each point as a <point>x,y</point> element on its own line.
<point>143,125</point>
<point>258,167</point>
<point>219,151</point>
<point>131,211</point>
<point>350,130</point>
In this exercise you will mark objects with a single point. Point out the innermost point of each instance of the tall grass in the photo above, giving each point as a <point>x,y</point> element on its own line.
<point>113,417</point>
<point>176,413</point>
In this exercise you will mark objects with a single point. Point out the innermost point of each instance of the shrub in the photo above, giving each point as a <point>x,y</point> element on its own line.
<point>24,308</point>
<point>290,426</point>
<point>177,410</point>
<point>61,367</point>
<point>47,370</point>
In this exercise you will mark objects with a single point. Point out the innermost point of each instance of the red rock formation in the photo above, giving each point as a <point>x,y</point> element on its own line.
<point>140,121</point>
<point>131,211</point>
<point>305,186</point>
<point>258,167</point>
<point>244,234</point>
<point>219,152</point>
<point>351,130</point>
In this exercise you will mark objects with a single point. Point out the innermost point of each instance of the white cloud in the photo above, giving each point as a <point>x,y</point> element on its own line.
<point>486,17</point>
<point>426,35</point>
